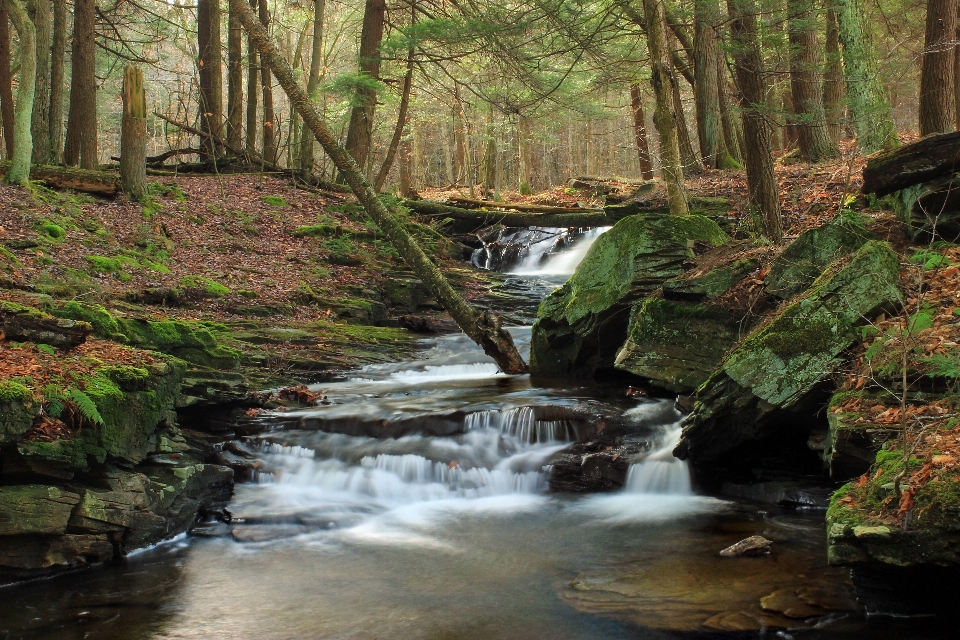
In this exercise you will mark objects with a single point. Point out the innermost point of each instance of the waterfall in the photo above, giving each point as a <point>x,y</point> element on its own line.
<point>537,251</point>
<point>660,472</point>
<point>521,423</point>
<point>550,261</point>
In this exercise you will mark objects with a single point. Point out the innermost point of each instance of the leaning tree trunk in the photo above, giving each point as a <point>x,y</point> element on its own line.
<point>833,78</point>
<point>761,180</point>
<point>6,81</point>
<point>485,328</point>
<point>22,137</point>
<point>40,127</point>
<point>640,132</point>
<point>313,83</point>
<point>57,53</point>
<point>81,145</point>
<point>811,124</point>
<point>664,116</point>
<point>133,134</point>
<point>936,74</point>
<point>401,123</point>
<point>865,97</point>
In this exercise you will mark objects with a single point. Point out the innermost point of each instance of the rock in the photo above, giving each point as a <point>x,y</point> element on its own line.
<point>757,394</point>
<point>29,324</point>
<point>752,546</point>
<point>805,259</point>
<point>783,492</point>
<point>211,530</point>
<point>931,208</point>
<point>582,325</point>
<point>31,556</point>
<point>18,409</point>
<point>675,345</point>
<point>852,444</point>
<point>35,509</point>
<point>701,285</point>
<point>427,324</point>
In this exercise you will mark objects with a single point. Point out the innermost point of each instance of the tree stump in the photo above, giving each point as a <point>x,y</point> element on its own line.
<point>133,134</point>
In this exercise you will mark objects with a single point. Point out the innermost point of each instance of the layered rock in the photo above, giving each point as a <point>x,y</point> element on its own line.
<point>582,325</point>
<point>758,402</point>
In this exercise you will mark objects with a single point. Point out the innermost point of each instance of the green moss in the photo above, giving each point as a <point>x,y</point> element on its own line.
<point>318,231</point>
<point>103,264</point>
<point>104,325</point>
<point>274,201</point>
<point>126,376</point>
<point>6,255</point>
<point>11,392</point>
<point>52,231</point>
<point>190,341</point>
<point>714,282</point>
<point>209,287</point>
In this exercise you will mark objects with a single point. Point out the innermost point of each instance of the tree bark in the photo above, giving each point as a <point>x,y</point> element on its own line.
<point>811,123</point>
<point>732,129</point>
<point>81,145</point>
<point>313,83</point>
<point>490,162</point>
<point>133,134</point>
<point>6,81</point>
<point>761,180</point>
<point>253,89</point>
<point>523,144</point>
<point>665,116</point>
<point>234,81</point>
<point>401,123</point>
<point>706,87</point>
<point>936,74</point>
<point>485,328</point>
<point>266,87</point>
<point>688,155</point>
<point>833,78</point>
<point>640,132</point>
<point>925,160</point>
<point>211,74</point>
<point>360,129</point>
<point>868,106</point>
<point>57,53</point>
<point>19,172</point>
<point>39,11</point>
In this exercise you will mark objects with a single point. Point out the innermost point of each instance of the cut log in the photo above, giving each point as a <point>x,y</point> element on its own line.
<point>483,327</point>
<point>926,159</point>
<point>86,180</point>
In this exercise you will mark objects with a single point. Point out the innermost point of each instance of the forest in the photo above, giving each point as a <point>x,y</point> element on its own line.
<point>453,318</point>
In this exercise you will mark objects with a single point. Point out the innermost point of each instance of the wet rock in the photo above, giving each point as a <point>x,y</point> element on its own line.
<point>18,409</point>
<point>211,530</point>
<point>582,325</point>
<point>31,556</point>
<point>785,493</point>
<point>808,602</point>
<point>748,547</point>
<point>18,322</point>
<point>599,465</point>
<point>35,509</point>
<point>427,324</point>
<point>757,395</point>
<point>852,443</point>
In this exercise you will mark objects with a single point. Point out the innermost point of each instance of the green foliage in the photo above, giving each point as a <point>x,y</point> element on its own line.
<point>317,231</point>
<point>929,259</point>
<point>921,320</point>
<point>944,366</point>
<point>166,190</point>
<point>52,231</point>
<point>88,409</point>
<point>274,201</point>
<point>57,399</point>
<point>47,349</point>
<point>210,287</point>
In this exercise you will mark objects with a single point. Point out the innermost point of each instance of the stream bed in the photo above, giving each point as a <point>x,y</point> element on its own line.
<point>447,529</point>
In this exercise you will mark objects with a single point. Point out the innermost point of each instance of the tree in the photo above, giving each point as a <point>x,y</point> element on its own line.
<point>664,116</point>
<point>833,77</point>
<point>360,129</point>
<point>402,117</point>
<point>266,86</point>
<point>485,328</point>
<point>234,81</point>
<point>39,11</point>
<point>706,86</point>
<point>211,74</point>
<point>748,63</point>
<point>81,145</point>
<point>6,81</point>
<point>253,87</point>
<point>811,124</point>
<point>936,74</point>
<point>640,132</point>
<point>22,137</point>
<point>133,134</point>
<point>313,83</point>
<point>58,52</point>
<point>865,97</point>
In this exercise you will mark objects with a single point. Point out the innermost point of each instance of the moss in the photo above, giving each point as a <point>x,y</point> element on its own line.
<point>318,231</point>
<point>11,392</point>
<point>9,257</point>
<point>274,201</point>
<point>103,323</point>
<point>209,287</point>
<point>190,341</point>
<point>714,282</point>
<point>103,264</point>
<point>126,376</point>
<point>52,231</point>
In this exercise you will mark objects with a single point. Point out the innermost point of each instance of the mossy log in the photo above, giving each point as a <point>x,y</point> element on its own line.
<point>924,160</point>
<point>99,182</point>
<point>483,327</point>
<point>471,203</point>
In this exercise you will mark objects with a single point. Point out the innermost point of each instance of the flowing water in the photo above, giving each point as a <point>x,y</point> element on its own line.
<point>416,505</point>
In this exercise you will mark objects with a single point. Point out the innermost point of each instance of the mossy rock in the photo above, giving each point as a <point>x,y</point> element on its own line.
<point>189,341</point>
<point>852,444</point>
<point>35,509</point>
<point>712,283</point>
<point>581,326</point>
<point>18,409</point>
<point>404,294</point>
<point>103,323</point>
<point>676,345</point>
<point>20,322</point>
<point>931,209</point>
<point>778,367</point>
<point>805,259</point>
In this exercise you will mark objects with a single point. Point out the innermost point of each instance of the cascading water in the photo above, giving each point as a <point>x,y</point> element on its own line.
<point>548,261</point>
<point>538,251</point>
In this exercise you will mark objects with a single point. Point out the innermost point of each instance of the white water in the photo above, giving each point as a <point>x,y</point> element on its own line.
<point>561,263</point>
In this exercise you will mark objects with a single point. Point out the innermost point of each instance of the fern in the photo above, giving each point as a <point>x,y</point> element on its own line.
<point>55,400</point>
<point>87,407</point>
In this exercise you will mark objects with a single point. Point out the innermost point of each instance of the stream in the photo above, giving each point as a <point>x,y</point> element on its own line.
<point>447,529</point>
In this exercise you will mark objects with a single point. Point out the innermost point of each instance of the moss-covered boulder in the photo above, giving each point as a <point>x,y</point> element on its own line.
<point>805,259</point>
<point>711,282</point>
<point>18,409</point>
<point>930,209</point>
<point>852,440</point>
<point>582,325</point>
<point>676,345</point>
<point>753,400</point>
<point>19,322</point>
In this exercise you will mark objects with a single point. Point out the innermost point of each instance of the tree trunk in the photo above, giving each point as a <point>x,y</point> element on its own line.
<point>484,328</point>
<point>57,53</point>
<point>6,81</point>
<point>81,145</point>
<point>523,144</point>
<point>936,74</point>
<point>706,87</point>
<point>761,180</point>
<point>253,89</point>
<point>313,83</point>
<point>956,79</point>
<point>664,116</point>
<point>19,172</point>
<point>360,129</point>
<point>211,74</point>
<point>925,160</point>
<point>732,129</point>
<point>865,97</point>
<point>266,88</point>
<point>39,11</point>
<point>490,161</point>
<point>234,81</point>
<point>401,122</point>
<point>640,133</point>
<point>688,155</point>
<point>460,139</point>
<point>811,124</point>
<point>406,167</point>
<point>89,181</point>
<point>833,78</point>
<point>133,134</point>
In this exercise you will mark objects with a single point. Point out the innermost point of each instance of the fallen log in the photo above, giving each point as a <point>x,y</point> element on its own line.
<point>483,327</point>
<point>253,158</point>
<point>485,217</point>
<point>86,180</point>
<point>470,203</point>
<point>926,159</point>
<point>166,155</point>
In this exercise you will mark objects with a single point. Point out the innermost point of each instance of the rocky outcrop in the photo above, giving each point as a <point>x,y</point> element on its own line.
<point>18,322</point>
<point>766,388</point>
<point>852,441</point>
<point>582,325</point>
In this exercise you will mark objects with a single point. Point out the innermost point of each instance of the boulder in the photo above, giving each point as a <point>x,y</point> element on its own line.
<point>748,547</point>
<point>18,409</point>
<point>581,326</point>
<point>35,509</point>
<point>852,443</point>
<point>757,395</point>
<point>18,322</point>
<point>931,209</point>
<point>805,259</point>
